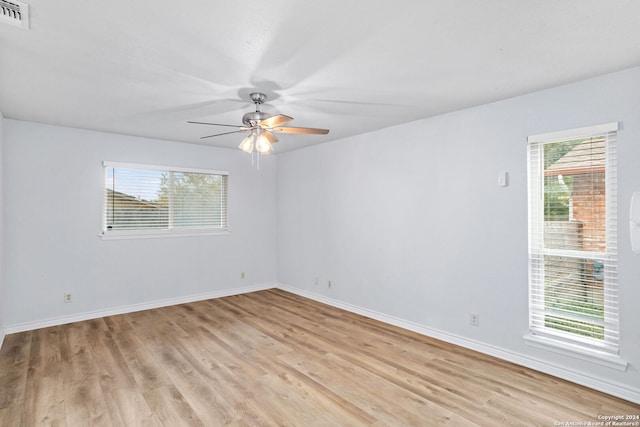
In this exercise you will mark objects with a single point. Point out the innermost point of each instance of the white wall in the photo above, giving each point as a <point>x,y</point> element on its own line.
<point>1,228</point>
<point>53,214</point>
<point>409,222</point>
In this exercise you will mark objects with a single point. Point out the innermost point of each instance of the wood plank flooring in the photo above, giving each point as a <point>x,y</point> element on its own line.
<point>270,358</point>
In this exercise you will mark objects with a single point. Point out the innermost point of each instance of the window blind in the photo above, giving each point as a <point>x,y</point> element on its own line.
<point>142,198</point>
<point>573,292</point>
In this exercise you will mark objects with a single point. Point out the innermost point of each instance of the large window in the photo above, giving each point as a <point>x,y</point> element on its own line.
<point>572,238</point>
<point>147,200</point>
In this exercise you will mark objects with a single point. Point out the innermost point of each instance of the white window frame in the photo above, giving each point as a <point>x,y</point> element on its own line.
<point>160,233</point>
<point>605,352</point>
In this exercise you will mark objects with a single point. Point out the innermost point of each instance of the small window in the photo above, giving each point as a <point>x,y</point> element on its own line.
<point>143,200</point>
<point>572,238</point>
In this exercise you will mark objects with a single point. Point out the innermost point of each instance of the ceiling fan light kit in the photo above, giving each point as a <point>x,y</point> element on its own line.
<point>261,127</point>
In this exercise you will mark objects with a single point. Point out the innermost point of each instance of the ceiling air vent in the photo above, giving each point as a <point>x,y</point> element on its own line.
<point>14,13</point>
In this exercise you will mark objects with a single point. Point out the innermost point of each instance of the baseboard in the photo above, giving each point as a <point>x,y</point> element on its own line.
<point>29,326</point>
<point>614,389</point>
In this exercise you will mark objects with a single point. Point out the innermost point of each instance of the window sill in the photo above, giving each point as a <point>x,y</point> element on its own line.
<point>573,350</point>
<point>158,234</point>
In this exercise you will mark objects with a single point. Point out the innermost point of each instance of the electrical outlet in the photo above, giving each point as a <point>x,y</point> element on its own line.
<point>317,282</point>
<point>329,283</point>
<point>474,319</point>
<point>242,275</point>
<point>68,297</point>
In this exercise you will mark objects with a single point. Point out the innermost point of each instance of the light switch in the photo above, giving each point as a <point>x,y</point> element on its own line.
<point>634,222</point>
<point>503,179</point>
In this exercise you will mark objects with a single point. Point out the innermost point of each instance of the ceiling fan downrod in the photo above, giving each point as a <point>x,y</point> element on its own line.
<point>252,119</point>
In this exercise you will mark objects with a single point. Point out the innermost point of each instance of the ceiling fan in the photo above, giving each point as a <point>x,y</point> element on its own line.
<point>261,128</point>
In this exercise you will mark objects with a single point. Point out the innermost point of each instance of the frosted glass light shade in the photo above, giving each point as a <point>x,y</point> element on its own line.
<point>247,144</point>
<point>263,145</point>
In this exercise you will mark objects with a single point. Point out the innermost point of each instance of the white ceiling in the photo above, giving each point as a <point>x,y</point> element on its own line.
<point>142,67</point>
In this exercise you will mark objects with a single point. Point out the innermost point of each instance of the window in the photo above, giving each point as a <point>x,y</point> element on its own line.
<point>572,239</point>
<point>142,200</point>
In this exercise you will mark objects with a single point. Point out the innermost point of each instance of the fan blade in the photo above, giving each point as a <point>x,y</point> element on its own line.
<point>274,121</point>
<point>226,133</point>
<point>270,137</point>
<point>301,130</point>
<point>216,124</point>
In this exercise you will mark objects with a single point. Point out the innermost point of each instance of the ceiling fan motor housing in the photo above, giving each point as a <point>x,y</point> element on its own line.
<point>253,118</point>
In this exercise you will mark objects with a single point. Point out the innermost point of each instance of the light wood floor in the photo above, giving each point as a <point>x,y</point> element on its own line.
<point>270,358</point>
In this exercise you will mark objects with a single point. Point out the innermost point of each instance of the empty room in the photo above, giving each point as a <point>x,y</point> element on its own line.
<point>407,213</point>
